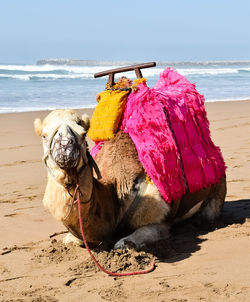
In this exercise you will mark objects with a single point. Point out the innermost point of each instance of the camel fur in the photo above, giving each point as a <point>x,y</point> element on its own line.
<point>105,201</point>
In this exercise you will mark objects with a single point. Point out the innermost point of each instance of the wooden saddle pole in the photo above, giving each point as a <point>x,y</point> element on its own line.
<point>111,72</point>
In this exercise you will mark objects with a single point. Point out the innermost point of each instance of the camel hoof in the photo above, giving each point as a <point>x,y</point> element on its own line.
<point>69,238</point>
<point>124,244</point>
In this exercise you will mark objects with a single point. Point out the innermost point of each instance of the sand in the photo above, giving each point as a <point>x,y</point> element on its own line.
<point>193,265</point>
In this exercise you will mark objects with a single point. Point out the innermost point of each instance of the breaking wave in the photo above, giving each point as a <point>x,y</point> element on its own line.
<point>56,72</point>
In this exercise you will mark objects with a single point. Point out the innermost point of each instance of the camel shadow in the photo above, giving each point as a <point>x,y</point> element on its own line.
<point>236,211</point>
<point>186,238</point>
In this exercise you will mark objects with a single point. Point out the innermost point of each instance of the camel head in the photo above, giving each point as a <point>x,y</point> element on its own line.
<point>63,135</point>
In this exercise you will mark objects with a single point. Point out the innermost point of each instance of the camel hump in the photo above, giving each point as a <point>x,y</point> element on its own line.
<point>119,163</point>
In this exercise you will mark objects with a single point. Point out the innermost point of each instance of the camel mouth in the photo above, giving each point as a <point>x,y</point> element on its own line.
<point>65,150</point>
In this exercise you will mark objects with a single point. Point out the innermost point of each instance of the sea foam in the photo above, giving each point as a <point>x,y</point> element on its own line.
<point>71,82</point>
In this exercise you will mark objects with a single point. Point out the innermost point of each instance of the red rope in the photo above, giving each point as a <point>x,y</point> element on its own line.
<point>150,269</point>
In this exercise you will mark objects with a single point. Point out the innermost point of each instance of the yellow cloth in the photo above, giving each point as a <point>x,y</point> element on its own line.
<point>107,115</point>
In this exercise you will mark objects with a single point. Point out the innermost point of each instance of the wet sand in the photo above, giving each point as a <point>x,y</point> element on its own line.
<point>192,265</point>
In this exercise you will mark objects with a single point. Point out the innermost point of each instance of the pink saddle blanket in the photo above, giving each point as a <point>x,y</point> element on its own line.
<point>169,127</point>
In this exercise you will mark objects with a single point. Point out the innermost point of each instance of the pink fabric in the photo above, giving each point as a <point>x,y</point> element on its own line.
<point>169,127</point>
<point>96,148</point>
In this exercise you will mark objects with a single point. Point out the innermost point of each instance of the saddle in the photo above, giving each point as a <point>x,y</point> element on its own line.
<point>168,125</point>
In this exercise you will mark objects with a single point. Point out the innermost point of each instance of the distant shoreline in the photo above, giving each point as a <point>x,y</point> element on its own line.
<point>78,62</point>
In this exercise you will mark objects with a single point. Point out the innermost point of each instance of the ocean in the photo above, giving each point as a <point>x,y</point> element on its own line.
<point>65,83</point>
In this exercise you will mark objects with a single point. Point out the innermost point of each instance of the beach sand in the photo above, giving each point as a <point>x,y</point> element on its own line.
<point>192,265</point>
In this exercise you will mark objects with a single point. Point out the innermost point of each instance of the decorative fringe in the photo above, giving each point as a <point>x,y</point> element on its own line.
<point>169,127</point>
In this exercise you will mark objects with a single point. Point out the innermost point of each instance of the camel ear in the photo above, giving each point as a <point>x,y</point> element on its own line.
<point>38,126</point>
<point>86,121</point>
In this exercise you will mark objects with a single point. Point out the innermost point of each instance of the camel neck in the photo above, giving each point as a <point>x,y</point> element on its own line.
<point>99,212</point>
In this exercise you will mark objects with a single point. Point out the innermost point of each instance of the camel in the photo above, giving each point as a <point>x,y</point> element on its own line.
<point>109,186</point>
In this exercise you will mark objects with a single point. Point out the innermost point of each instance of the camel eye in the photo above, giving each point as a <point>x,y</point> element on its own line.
<point>79,123</point>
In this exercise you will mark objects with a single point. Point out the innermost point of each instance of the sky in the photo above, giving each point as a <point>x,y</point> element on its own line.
<point>152,30</point>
